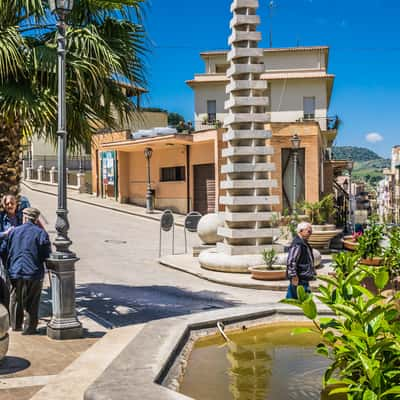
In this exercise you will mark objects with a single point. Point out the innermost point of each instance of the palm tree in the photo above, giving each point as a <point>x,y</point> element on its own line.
<point>105,40</point>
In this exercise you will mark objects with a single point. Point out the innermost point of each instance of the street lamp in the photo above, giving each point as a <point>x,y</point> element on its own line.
<point>64,323</point>
<point>148,152</point>
<point>349,166</point>
<point>295,146</point>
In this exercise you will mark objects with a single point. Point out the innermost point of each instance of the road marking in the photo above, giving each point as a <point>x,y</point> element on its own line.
<point>26,381</point>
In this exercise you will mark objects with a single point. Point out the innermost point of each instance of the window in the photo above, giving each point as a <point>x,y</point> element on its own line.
<point>309,107</point>
<point>221,68</point>
<point>172,174</point>
<point>212,110</point>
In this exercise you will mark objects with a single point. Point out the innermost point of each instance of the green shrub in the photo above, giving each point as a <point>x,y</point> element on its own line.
<point>369,243</point>
<point>321,211</point>
<point>269,257</point>
<point>362,337</point>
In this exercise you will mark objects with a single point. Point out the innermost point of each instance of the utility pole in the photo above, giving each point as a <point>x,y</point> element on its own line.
<point>271,8</point>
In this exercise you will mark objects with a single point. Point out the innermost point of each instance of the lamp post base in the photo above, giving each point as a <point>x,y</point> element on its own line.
<point>64,323</point>
<point>65,333</point>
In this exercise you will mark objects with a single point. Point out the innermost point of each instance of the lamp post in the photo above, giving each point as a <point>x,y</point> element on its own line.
<point>349,166</point>
<point>64,323</point>
<point>148,152</point>
<point>295,146</point>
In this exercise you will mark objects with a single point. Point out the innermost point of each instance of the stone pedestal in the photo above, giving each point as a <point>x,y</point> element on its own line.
<point>40,173</point>
<point>64,323</point>
<point>53,173</point>
<point>81,179</point>
<point>29,173</point>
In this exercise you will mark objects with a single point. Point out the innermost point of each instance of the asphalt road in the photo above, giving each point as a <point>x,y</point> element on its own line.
<point>119,281</point>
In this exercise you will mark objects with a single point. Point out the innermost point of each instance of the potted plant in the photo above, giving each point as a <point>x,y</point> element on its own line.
<point>369,247</point>
<point>391,259</point>
<point>270,271</point>
<point>350,242</point>
<point>319,214</point>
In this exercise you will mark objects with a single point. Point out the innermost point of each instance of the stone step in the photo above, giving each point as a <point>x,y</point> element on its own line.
<point>246,134</point>
<point>246,85</point>
<point>248,200</point>
<point>243,4</point>
<point>247,151</point>
<point>246,250</point>
<point>239,36</point>
<point>246,167</point>
<point>249,184</point>
<point>250,216</point>
<point>239,118</point>
<point>244,20</point>
<point>240,52</point>
<point>236,69</point>
<point>248,233</point>
<point>238,101</point>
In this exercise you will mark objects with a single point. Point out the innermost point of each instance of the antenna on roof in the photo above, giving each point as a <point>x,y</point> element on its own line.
<point>271,8</point>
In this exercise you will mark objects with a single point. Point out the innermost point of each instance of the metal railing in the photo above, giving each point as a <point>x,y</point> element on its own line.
<point>332,123</point>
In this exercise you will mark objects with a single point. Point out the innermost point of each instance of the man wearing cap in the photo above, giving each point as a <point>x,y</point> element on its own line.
<point>28,248</point>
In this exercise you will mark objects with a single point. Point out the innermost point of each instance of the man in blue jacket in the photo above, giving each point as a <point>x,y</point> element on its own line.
<point>28,248</point>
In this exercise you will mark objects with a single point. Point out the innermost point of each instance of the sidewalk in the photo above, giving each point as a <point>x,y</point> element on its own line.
<point>103,203</point>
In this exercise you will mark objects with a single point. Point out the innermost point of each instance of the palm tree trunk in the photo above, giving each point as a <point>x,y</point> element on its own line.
<point>10,160</point>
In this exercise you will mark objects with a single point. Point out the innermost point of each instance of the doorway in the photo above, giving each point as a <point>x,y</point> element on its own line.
<point>204,188</point>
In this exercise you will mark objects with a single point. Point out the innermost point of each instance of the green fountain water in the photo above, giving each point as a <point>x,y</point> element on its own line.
<point>262,363</point>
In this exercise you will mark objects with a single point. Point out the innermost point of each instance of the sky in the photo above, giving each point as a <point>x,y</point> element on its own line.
<point>364,40</point>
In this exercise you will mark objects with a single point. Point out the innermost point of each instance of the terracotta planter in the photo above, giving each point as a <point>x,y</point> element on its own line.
<point>375,261</point>
<point>321,236</point>
<point>262,273</point>
<point>349,243</point>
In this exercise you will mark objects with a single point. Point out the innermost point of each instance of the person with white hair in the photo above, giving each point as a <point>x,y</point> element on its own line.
<point>300,261</point>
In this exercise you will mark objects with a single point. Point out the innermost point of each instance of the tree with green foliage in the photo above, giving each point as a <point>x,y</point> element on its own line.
<point>105,42</point>
<point>174,119</point>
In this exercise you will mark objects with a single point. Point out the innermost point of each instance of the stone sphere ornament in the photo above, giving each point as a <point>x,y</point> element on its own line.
<point>208,227</point>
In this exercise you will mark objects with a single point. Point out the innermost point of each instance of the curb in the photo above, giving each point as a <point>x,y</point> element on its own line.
<point>272,287</point>
<point>108,207</point>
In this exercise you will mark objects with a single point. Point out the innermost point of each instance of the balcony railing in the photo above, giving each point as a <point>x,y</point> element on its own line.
<point>206,124</point>
<point>332,123</point>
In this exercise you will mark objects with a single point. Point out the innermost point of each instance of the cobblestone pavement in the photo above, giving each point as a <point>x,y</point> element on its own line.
<point>119,281</point>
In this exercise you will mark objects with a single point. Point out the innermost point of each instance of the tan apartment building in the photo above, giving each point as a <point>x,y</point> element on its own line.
<point>184,167</point>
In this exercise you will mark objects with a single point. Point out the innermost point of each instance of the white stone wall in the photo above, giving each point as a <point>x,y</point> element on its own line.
<point>286,99</point>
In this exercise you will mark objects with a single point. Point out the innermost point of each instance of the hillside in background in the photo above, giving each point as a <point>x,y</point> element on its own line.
<point>368,165</point>
<point>355,153</point>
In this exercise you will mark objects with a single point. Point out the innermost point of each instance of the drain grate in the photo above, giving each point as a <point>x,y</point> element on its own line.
<point>112,241</point>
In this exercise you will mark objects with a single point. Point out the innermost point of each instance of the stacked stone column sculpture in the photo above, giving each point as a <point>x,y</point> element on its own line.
<point>247,184</point>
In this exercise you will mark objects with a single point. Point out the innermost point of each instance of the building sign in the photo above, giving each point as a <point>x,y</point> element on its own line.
<point>108,164</point>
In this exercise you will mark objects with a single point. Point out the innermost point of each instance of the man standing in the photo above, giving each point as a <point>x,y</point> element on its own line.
<point>300,262</point>
<point>28,248</point>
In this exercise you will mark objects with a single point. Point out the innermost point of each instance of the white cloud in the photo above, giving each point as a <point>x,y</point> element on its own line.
<point>373,137</point>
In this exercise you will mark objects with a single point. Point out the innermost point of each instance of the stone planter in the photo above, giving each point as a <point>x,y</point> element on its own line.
<point>322,235</point>
<point>4,326</point>
<point>374,261</point>
<point>349,243</point>
<point>260,272</point>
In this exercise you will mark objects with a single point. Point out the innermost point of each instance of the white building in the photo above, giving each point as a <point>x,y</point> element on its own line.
<point>299,87</point>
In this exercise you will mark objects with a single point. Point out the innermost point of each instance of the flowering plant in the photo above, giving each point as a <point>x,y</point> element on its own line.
<point>356,236</point>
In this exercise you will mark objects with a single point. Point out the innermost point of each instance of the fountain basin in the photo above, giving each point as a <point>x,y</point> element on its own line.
<point>152,365</point>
